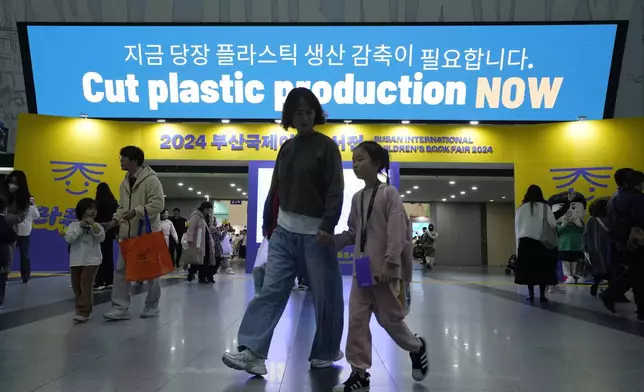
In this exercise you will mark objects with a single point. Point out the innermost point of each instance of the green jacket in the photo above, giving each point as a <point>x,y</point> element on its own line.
<point>571,237</point>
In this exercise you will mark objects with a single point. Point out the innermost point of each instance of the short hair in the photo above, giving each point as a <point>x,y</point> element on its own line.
<point>84,205</point>
<point>133,153</point>
<point>620,176</point>
<point>599,207</point>
<point>293,99</point>
<point>176,209</point>
<point>634,178</point>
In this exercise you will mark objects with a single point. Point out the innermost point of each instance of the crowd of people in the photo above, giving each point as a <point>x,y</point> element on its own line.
<point>612,243</point>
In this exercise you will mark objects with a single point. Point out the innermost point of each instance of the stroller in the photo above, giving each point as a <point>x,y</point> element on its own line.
<point>512,261</point>
<point>419,254</point>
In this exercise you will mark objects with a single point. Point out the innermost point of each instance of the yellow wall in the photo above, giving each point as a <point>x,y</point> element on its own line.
<point>533,149</point>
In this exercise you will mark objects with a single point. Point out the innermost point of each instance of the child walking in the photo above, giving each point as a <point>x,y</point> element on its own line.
<point>378,229</point>
<point>84,237</point>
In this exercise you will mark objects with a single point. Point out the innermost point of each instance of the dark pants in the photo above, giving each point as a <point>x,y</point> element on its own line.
<point>206,272</point>
<point>25,262</point>
<point>175,251</point>
<point>242,252</point>
<point>633,278</point>
<point>105,275</point>
<point>83,284</point>
<point>3,287</point>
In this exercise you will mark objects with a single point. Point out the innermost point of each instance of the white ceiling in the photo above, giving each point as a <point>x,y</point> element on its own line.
<point>430,188</point>
<point>437,188</point>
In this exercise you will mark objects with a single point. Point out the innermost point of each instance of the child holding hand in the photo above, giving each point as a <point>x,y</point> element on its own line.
<point>382,263</point>
<point>84,237</point>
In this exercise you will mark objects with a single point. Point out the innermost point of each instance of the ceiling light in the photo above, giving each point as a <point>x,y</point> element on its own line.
<point>161,120</point>
<point>408,192</point>
<point>225,121</point>
<point>405,121</point>
<point>491,201</point>
<point>244,193</point>
<point>347,121</point>
<point>238,189</point>
<point>278,121</point>
<point>462,192</point>
<point>164,196</point>
<point>474,188</point>
<point>415,186</point>
<point>232,185</point>
<point>180,184</point>
<point>207,197</point>
<point>189,189</point>
<point>402,195</point>
<point>199,192</point>
<point>84,115</point>
<point>502,197</point>
<point>582,118</point>
<point>474,122</point>
<point>452,182</point>
<point>444,200</point>
<point>453,196</point>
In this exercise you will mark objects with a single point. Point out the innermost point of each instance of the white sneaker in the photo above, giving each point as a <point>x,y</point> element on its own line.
<point>556,290</point>
<point>81,319</point>
<point>246,361</point>
<point>149,313</point>
<point>230,271</point>
<point>323,364</point>
<point>117,315</point>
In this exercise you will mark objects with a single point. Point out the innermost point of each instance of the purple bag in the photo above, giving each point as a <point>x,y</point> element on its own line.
<point>363,272</point>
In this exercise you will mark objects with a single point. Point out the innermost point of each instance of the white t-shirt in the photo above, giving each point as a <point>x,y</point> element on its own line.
<point>24,227</point>
<point>297,223</point>
<point>85,245</point>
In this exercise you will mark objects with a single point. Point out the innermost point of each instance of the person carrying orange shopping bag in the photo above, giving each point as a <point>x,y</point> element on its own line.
<point>382,265</point>
<point>140,191</point>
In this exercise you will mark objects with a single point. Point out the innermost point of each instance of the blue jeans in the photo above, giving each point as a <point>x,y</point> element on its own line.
<point>285,251</point>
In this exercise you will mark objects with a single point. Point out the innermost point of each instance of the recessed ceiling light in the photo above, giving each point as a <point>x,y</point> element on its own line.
<point>491,201</point>
<point>225,121</point>
<point>180,184</point>
<point>452,182</point>
<point>238,189</point>
<point>278,121</point>
<point>405,121</point>
<point>462,192</point>
<point>408,192</point>
<point>207,197</point>
<point>244,193</point>
<point>475,188</point>
<point>453,196</point>
<point>444,200</point>
<point>189,189</point>
<point>199,192</point>
<point>161,120</point>
<point>415,186</point>
<point>502,197</point>
<point>347,121</point>
<point>402,195</point>
<point>232,185</point>
<point>474,122</point>
<point>83,115</point>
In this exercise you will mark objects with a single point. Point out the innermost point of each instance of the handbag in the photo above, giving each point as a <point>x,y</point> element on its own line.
<point>192,254</point>
<point>262,254</point>
<point>146,256</point>
<point>549,237</point>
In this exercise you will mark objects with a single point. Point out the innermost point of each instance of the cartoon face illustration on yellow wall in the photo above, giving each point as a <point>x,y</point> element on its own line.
<point>77,176</point>
<point>592,181</point>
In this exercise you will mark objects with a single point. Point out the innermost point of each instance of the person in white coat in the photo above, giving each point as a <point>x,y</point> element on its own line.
<point>168,228</point>
<point>24,234</point>
<point>227,250</point>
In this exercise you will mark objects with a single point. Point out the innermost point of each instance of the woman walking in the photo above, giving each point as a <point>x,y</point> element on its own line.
<point>596,242</point>
<point>536,226</point>
<point>201,247</point>
<point>107,205</point>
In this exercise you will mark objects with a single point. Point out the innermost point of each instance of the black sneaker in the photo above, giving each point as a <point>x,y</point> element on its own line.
<point>419,362</point>
<point>355,383</point>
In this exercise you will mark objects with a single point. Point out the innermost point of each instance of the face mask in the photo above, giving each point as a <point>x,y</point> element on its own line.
<point>13,188</point>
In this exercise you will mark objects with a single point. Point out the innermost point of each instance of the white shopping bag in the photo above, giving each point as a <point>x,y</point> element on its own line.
<point>262,254</point>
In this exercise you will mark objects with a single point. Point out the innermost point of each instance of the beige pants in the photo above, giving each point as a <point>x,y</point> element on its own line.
<point>381,300</point>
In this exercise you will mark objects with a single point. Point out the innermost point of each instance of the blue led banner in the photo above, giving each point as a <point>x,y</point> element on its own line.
<point>360,72</point>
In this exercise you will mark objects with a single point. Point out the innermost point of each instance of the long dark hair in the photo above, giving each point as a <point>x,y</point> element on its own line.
<point>104,194</point>
<point>533,195</point>
<point>21,197</point>
<point>205,205</point>
<point>378,155</point>
<point>293,99</point>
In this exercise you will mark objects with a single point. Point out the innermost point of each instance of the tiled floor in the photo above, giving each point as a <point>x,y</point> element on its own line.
<point>482,337</point>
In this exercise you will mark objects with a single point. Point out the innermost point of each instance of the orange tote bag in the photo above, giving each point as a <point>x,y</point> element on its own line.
<point>146,256</point>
